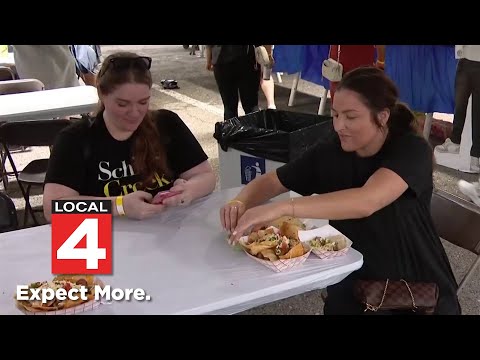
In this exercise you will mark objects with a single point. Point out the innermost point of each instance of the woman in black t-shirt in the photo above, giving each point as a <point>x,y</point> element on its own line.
<point>127,153</point>
<point>374,183</point>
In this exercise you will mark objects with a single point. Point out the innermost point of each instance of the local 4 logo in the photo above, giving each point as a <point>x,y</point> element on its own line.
<point>81,237</point>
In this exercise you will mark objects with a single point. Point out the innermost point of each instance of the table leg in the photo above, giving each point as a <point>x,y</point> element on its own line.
<point>279,77</point>
<point>294,89</point>
<point>428,125</point>
<point>323,102</point>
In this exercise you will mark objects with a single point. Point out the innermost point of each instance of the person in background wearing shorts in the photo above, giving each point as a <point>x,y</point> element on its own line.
<point>53,65</point>
<point>268,86</point>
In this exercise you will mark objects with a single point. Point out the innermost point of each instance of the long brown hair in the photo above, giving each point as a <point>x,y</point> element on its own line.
<point>148,154</point>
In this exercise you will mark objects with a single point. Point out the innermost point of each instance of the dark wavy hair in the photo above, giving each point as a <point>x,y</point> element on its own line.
<point>378,92</point>
<point>148,154</point>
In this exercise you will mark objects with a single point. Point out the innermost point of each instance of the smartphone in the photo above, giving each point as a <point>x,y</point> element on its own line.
<point>162,195</point>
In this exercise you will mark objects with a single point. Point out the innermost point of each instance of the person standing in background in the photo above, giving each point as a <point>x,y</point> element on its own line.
<point>351,57</point>
<point>88,60</point>
<point>381,50</point>
<point>53,65</point>
<point>268,86</point>
<point>237,73</point>
<point>467,82</point>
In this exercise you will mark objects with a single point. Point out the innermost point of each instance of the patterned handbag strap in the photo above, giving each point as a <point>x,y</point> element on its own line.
<point>373,307</point>
<point>411,294</point>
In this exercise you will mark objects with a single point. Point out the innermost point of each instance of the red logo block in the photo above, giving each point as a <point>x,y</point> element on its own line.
<point>81,237</point>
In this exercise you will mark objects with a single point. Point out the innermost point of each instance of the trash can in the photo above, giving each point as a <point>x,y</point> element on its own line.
<point>254,144</point>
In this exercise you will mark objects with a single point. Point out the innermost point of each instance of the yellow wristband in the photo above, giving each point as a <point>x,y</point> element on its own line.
<point>119,203</point>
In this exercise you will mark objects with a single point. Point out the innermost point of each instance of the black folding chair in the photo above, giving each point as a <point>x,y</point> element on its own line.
<point>458,222</point>
<point>6,73</point>
<point>30,133</point>
<point>15,87</point>
<point>8,214</point>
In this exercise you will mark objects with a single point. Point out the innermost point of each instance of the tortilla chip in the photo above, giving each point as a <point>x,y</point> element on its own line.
<point>27,307</point>
<point>290,220</point>
<point>290,231</point>
<point>37,308</point>
<point>255,248</point>
<point>74,278</point>
<point>296,251</point>
<point>253,237</point>
<point>269,254</point>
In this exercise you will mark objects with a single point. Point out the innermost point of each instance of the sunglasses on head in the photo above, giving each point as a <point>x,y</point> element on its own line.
<point>121,63</point>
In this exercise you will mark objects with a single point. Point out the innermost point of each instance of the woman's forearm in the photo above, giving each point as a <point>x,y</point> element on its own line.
<point>202,184</point>
<point>338,205</point>
<point>261,189</point>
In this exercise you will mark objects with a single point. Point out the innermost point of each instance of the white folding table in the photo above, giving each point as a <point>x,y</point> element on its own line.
<point>48,104</point>
<point>180,258</point>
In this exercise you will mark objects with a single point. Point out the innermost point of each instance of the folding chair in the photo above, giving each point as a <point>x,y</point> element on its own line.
<point>458,222</point>
<point>30,133</point>
<point>8,214</point>
<point>15,87</point>
<point>20,86</point>
<point>6,74</point>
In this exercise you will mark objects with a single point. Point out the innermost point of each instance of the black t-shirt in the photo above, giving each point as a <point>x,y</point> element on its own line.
<point>88,159</point>
<point>226,54</point>
<point>398,241</point>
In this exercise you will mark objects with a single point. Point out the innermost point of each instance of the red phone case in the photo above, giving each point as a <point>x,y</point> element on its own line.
<point>161,196</point>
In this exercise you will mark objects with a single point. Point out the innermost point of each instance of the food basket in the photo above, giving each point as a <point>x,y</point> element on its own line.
<point>81,308</point>
<point>325,231</point>
<point>280,264</point>
<point>283,264</point>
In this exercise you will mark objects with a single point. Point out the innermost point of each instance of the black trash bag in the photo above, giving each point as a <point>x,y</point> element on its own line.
<point>274,134</point>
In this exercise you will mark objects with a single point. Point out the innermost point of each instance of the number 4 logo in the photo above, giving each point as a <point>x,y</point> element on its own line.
<point>92,253</point>
<point>74,221</point>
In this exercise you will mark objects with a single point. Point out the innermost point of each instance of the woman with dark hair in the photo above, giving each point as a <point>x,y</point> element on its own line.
<point>374,183</point>
<point>127,153</point>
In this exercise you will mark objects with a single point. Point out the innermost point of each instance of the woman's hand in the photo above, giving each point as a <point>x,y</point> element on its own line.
<point>230,213</point>
<point>257,217</point>
<point>184,198</point>
<point>209,65</point>
<point>137,205</point>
